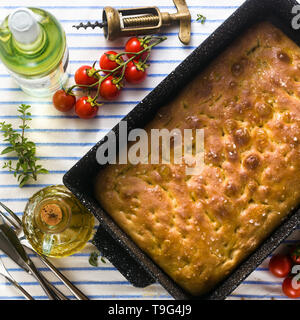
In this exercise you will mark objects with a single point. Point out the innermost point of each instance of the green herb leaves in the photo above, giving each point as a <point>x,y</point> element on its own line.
<point>26,167</point>
<point>200,18</point>
<point>93,259</point>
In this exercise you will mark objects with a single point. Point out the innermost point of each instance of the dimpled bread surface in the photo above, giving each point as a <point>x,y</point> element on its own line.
<point>198,228</point>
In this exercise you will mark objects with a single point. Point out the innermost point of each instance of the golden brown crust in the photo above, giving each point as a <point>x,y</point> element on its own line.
<point>198,228</point>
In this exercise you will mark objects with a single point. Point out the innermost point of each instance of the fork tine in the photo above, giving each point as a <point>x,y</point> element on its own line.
<point>8,277</point>
<point>8,220</point>
<point>17,219</point>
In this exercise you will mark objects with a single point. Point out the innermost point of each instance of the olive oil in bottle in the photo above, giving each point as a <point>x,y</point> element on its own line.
<point>33,49</point>
<point>55,222</point>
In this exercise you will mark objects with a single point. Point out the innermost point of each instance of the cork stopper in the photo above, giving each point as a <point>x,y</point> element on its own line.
<point>51,214</point>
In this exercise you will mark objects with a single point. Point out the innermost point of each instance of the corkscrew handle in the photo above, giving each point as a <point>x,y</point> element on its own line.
<point>184,17</point>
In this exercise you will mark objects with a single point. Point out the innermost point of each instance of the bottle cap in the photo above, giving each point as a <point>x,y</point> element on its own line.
<point>23,25</point>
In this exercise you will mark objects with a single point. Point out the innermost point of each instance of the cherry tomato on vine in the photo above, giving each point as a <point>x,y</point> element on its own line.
<point>85,109</point>
<point>135,44</point>
<point>108,89</point>
<point>133,74</point>
<point>63,101</point>
<point>289,289</point>
<point>82,76</point>
<point>108,61</point>
<point>295,254</point>
<point>280,265</point>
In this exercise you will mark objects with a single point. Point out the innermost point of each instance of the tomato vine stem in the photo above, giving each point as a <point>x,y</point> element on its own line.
<point>121,66</point>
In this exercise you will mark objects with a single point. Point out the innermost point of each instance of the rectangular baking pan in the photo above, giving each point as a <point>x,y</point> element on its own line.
<point>127,257</point>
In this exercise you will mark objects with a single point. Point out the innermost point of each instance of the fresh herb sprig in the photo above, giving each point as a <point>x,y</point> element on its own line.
<point>201,18</point>
<point>93,259</point>
<point>26,167</point>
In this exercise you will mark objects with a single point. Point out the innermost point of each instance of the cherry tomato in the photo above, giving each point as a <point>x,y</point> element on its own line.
<point>62,101</point>
<point>133,74</point>
<point>108,89</point>
<point>134,44</point>
<point>106,61</point>
<point>84,108</point>
<point>289,289</point>
<point>82,77</point>
<point>280,265</point>
<point>295,254</point>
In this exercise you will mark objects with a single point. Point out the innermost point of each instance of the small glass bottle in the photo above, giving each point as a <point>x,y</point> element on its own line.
<point>33,48</point>
<point>55,222</point>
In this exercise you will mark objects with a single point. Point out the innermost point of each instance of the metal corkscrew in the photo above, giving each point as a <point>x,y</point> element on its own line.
<point>145,20</point>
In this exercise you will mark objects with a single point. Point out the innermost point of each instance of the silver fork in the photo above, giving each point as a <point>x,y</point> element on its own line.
<point>16,222</point>
<point>9,278</point>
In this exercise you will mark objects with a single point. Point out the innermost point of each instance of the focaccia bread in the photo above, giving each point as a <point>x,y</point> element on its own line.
<point>199,228</point>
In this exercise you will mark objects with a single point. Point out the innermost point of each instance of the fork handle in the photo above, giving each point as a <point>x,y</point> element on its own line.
<point>59,294</point>
<point>77,293</point>
<point>50,293</point>
<point>24,292</point>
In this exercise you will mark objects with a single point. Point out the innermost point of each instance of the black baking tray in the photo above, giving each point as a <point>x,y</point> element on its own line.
<point>115,244</point>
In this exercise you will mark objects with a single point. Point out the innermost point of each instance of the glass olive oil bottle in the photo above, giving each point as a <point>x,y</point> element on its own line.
<point>33,48</point>
<point>55,222</point>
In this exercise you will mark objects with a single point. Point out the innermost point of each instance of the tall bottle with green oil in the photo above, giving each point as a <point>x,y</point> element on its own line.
<point>33,48</point>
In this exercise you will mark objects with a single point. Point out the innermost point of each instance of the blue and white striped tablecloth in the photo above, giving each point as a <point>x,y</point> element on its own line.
<point>64,139</point>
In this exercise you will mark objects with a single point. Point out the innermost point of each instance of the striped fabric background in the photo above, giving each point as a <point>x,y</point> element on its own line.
<point>63,139</point>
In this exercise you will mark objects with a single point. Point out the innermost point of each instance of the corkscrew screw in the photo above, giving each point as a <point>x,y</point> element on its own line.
<point>145,20</point>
